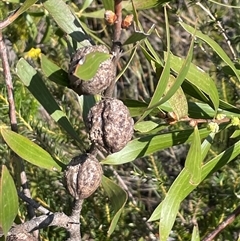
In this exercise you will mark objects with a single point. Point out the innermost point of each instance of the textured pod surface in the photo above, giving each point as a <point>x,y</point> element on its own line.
<point>106,72</point>
<point>110,125</point>
<point>83,176</point>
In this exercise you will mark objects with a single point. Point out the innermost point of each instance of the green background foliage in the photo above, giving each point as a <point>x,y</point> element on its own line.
<point>176,68</point>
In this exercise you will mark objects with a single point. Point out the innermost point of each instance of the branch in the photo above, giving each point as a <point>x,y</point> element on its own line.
<point>4,23</point>
<point>71,224</point>
<point>13,119</point>
<point>118,22</point>
<point>116,47</point>
<point>223,225</point>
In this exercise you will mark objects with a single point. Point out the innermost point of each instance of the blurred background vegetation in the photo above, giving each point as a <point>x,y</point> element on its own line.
<point>149,178</point>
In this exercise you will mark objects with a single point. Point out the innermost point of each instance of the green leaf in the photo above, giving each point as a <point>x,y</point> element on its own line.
<point>214,45</point>
<point>145,126</point>
<point>154,54</point>
<point>94,14</point>
<point>28,150</point>
<point>181,188</point>
<point>118,199</point>
<point>201,110</point>
<point>143,146</point>
<point>206,144</point>
<point>194,159</point>
<point>36,86</point>
<point>235,134</point>
<point>136,107</point>
<point>86,102</point>
<point>155,102</point>
<point>178,102</point>
<point>127,5</point>
<point>108,5</point>
<point>151,59</point>
<point>198,78</point>
<point>142,4</point>
<point>24,7</point>
<point>184,175</point>
<point>8,200</point>
<point>136,37</point>
<point>162,82</point>
<point>195,233</point>
<point>86,4</point>
<point>91,62</point>
<point>54,72</point>
<point>183,71</point>
<point>130,58</point>
<point>67,21</point>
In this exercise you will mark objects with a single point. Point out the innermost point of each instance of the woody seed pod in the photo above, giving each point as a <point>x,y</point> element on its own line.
<point>105,74</point>
<point>110,125</point>
<point>83,176</point>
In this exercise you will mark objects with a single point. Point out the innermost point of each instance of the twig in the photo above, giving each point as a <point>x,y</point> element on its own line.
<point>117,24</point>
<point>8,80</point>
<point>4,23</point>
<point>221,28</point>
<point>223,225</point>
<point>13,118</point>
<point>75,234</point>
<point>71,224</point>
<point>116,47</point>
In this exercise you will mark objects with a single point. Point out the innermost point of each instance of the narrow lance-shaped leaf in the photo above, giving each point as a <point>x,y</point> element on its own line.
<point>145,126</point>
<point>128,63</point>
<point>67,21</point>
<point>8,200</point>
<point>135,37</point>
<point>162,82</point>
<point>179,80</point>
<point>198,78</point>
<point>181,188</point>
<point>178,102</point>
<point>118,199</point>
<point>142,4</point>
<point>108,4</point>
<point>204,150</point>
<point>175,195</point>
<point>53,71</point>
<point>128,6</point>
<point>28,150</point>
<point>183,178</point>
<point>86,4</point>
<point>195,233</point>
<point>214,45</point>
<point>36,86</point>
<point>143,146</point>
<point>194,158</point>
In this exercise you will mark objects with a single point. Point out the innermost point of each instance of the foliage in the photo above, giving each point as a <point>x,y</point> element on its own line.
<point>180,81</point>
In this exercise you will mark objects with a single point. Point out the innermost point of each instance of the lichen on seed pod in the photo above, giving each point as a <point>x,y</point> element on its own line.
<point>83,176</point>
<point>105,74</point>
<point>110,125</point>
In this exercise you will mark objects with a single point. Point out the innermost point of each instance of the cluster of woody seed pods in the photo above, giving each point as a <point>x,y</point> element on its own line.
<point>109,124</point>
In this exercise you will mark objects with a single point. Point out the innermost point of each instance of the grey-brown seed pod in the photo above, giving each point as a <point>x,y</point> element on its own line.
<point>104,76</point>
<point>110,125</point>
<point>83,176</point>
